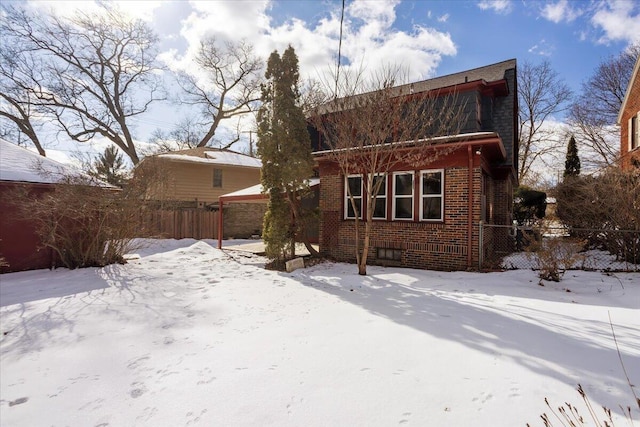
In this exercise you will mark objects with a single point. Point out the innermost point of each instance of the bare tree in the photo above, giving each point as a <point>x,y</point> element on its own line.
<point>373,133</point>
<point>225,84</point>
<point>184,135</point>
<point>19,106</point>
<point>542,93</point>
<point>604,210</point>
<point>84,224</point>
<point>312,95</point>
<point>98,71</point>
<point>594,114</point>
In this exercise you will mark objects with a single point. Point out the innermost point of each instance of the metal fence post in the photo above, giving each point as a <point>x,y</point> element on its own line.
<point>480,245</point>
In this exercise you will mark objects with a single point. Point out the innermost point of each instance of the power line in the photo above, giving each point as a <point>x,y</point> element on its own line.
<point>339,50</point>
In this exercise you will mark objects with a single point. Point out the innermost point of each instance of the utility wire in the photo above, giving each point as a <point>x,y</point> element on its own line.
<point>339,51</point>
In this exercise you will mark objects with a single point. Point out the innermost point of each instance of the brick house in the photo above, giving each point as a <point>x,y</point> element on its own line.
<point>629,121</point>
<point>428,216</point>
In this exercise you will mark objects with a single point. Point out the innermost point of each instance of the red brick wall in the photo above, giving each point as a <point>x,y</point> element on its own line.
<point>438,246</point>
<point>631,108</point>
<point>20,246</point>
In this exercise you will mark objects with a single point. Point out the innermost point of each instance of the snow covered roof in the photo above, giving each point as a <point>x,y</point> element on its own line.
<point>18,164</point>
<point>213,156</point>
<point>256,190</point>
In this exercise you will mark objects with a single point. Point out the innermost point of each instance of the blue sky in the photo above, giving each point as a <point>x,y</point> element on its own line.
<point>429,38</point>
<point>575,36</point>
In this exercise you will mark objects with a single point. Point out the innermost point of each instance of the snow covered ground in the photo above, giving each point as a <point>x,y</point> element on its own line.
<point>190,335</point>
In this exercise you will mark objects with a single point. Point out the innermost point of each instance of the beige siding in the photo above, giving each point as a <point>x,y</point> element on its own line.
<point>191,182</point>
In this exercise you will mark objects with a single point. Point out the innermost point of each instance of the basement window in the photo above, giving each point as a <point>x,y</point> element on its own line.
<point>389,254</point>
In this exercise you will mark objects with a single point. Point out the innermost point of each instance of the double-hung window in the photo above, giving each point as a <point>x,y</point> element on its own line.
<point>353,190</point>
<point>380,207</point>
<point>431,195</point>
<point>403,195</point>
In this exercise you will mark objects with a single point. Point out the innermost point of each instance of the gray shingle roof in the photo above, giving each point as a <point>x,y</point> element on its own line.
<point>488,73</point>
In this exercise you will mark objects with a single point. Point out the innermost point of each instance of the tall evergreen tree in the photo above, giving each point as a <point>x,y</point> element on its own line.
<point>285,150</point>
<point>572,162</point>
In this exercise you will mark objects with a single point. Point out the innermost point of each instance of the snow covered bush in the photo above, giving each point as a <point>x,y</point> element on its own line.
<point>555,255</point>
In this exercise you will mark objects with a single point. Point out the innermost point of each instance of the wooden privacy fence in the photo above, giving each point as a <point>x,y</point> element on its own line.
<point>180,223</point>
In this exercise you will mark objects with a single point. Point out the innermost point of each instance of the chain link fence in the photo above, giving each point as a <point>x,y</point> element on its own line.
<point>530,247</point>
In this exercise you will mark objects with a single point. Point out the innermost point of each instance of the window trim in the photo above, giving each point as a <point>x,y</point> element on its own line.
<point>214,178</point>
<point>403,196</point>
<point>379,196</point>
<point>634,134</point>
<point>346,199</point>
<point>433,196</point>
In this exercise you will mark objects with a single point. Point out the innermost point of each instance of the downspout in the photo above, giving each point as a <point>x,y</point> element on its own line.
<point>220,226</point>
<point>470,207</point>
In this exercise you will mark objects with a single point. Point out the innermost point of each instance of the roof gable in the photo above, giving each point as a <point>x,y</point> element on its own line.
<point>634,76</point>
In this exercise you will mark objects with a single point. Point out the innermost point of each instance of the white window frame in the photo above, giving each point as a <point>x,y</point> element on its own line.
<point>379,196</point>
<point>425,196</point>
<point>403,196</point>
<point>631,131</point>
<point>347,200</point>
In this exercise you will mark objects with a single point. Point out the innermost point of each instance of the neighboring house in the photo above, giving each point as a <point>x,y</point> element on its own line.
<point>473,182</point>
<point>198,176</point>
<point>22,169</point>
<point>629,121</point>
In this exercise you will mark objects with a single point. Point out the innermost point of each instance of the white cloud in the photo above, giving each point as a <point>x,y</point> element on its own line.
<point>560,11</point>
<point>499,6</point>
<point>619,20</point>
<point>141,9</point>
<point>374,42</point>
<point>542,48</point>
<point>370,37</point>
